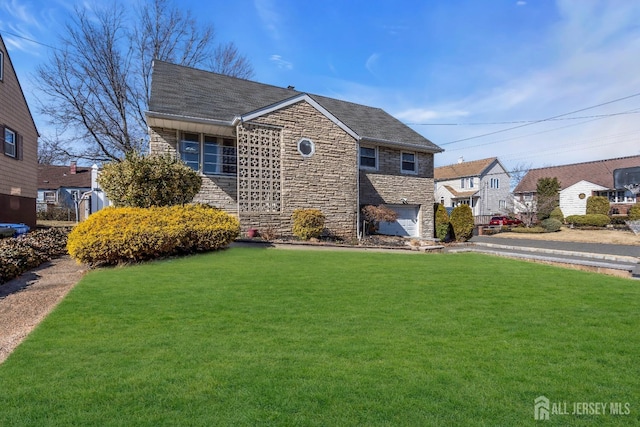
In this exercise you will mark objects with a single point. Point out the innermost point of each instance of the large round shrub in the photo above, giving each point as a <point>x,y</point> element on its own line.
<point>307,223</point>
<point>462,223</point>
<point>597,205</point>
<point>634,212</point>
<point>145,181</point>
<point>117,235</point>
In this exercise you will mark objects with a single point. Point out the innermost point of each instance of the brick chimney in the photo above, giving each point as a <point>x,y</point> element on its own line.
<point>73,167</point>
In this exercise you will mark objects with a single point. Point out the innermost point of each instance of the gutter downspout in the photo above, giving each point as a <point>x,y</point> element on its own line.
<point>358,234</point>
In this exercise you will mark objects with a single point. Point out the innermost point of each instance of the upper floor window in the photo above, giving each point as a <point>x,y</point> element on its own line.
<point>470,182</point>
<point>1,65</point>
<point>208,154</point>
<point>462,183</point>
<point>495,183</point>
<point>9,142</point>
<point>368,158</point>
<point>408,163</point>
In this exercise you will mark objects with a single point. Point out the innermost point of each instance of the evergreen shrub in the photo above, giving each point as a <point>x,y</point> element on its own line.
<point>307,223</point>
<point>556,213</point>
<point>597,205</point>
<point>443,225</point>
<point>462,223</point>
<point>119,235</point>
<point>634,212</point>
<point>551,225</point>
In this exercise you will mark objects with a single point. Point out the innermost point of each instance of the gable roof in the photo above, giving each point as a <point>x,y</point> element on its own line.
<point>6,64</point>
<point>52,177</point>
<point>189,94</point>
<point>598,172</point>
<point>456,193</point>
<point>464,169</point>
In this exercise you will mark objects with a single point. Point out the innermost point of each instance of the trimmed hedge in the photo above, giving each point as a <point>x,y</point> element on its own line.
<point>556,213</point>
<point>528,230</point>
<point>28,251</point>
<point>462,223</point>
<point>307,223</point>
<point>598,205</point>
<point>591,220</point>
<point>120,235</point>
<point>634,212</point>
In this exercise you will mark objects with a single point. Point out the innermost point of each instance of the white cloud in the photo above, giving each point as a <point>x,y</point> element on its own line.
<point>371,62</point>
<point>419,115</point>
<point>281,63</point>
<point>521,3</point>
<point>269,17</point>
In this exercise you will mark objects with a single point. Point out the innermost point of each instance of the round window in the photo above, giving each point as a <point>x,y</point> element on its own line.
<point>306,147</point>
<point>582,195</point>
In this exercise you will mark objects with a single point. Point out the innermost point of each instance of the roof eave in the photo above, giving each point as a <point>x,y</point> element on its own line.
<point>400,144</point>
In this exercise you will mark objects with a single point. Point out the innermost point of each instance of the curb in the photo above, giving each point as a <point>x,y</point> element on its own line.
<point>607,257</point>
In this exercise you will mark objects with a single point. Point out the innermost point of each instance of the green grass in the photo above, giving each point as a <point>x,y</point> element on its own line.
<point>273,337</point>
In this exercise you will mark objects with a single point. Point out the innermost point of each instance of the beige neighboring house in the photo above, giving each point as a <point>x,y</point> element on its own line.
<point>264,151</point>
<point>482,184</point>
<point>18,149</point>
<point>578,182</point>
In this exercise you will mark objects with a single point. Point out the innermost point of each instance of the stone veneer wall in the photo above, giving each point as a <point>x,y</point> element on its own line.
<point>326,181</point>
<point>388,185</point>
<point>220,191</point>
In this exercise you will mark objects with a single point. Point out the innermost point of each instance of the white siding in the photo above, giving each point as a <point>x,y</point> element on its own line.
<point>570,201</point>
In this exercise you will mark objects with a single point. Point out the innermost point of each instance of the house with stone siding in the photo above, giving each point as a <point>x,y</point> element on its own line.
<point>264,151</point>
<point>18,149</point>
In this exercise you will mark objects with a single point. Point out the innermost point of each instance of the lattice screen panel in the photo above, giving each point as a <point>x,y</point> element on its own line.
<point>258,168</point>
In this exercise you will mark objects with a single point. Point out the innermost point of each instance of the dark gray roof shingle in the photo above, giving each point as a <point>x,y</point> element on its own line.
<point>182,91</point>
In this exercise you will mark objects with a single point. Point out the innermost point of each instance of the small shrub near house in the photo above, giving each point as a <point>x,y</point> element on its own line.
<point>443,226</point>
<point>551,225</point>
<point>308,223</point>
<point>462,223</point>
<point>121,235</point>
<point>28,251</point>
<point>592,220</point>
<point>597,205</point>
<point>556,213</point>
<point>634,212</point>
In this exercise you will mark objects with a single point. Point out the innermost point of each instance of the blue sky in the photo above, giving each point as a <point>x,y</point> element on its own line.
<point>454,70</point>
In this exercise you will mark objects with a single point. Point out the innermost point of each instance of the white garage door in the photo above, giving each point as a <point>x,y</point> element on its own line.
<point>405,225</point>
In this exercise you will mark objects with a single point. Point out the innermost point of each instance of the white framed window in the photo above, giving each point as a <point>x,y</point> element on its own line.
<point>408,163</point>
<point>495,183</point>
<point>368,158</point>
<point>50,196</point>
<point>462,183</point>
<point>502,204</point>
<point>306,147</point>
<point>10,142</point>
<point>208,154</point>
<point>471,183</point>
<point>1,66</point>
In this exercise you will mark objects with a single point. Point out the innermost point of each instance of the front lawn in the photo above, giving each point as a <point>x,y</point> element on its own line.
<point>279,337</point>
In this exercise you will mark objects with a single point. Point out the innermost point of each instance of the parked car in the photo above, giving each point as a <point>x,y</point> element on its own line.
<point>504,220</point>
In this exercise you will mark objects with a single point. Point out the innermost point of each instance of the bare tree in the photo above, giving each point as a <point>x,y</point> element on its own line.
<point>98,83</point>
<point>518,172</point>
<point>51,151</point>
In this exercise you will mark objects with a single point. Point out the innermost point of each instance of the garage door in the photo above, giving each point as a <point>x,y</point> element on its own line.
<point>405,225</point>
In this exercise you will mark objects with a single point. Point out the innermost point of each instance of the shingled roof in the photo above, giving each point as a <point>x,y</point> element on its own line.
<point>190,94</point>
<point>52,177</point>
<point>463,169</point>
<point>599,172</point>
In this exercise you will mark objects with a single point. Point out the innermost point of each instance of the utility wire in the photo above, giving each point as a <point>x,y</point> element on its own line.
<point>635,111</point>
<point>29,40</point>
<point>542,120</point>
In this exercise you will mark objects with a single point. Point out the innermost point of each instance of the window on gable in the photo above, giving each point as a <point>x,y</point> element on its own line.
<point>408,163</point>
<point>1,66</point>
<point>208,154</point>
<point>368,158</point>
<point>462,183</point>
<point>470,182</point>
<point>495,183</point>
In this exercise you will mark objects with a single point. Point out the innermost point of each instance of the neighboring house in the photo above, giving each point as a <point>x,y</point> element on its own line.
<point>265,151</point>
<point>481,184</point>
<point>59,187</point>
<point>18,149</point>
<point>578,182</point>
